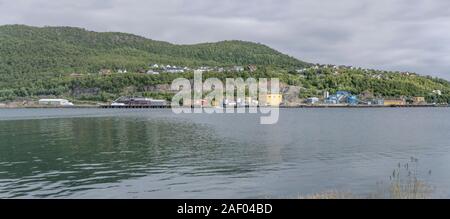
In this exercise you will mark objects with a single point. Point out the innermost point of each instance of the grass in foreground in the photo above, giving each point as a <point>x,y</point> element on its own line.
<point>404,183</point>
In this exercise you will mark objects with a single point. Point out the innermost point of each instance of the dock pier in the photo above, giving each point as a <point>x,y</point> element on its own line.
<point>134,107</point>
<point>283,107</point>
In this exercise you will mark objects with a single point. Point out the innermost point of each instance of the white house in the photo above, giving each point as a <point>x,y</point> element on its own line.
<point>438,92</point>
<point>238,68</point>
<point>174,70</point>
<point>151,72</point>
<point>55,102</point>
<point>312,100</point>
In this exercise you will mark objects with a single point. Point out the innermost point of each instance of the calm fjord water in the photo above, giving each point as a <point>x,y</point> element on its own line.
<point>99,153</point>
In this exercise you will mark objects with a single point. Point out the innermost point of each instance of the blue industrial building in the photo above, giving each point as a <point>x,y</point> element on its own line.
<point>352,100</point>
<point>342,97</point>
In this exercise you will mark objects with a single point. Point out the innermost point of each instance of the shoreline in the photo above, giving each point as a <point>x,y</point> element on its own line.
<point>169,107</point>
<point>51,107</point>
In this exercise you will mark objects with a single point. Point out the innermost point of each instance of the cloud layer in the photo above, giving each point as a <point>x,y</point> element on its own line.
<point>405,35</point>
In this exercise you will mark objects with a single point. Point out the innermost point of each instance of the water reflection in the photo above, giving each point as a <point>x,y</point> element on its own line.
<point>58,157</point>
<point>155,154</point>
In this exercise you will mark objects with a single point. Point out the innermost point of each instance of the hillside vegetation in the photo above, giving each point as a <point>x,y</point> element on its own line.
<point>60,50</point>
<point>36,62</point>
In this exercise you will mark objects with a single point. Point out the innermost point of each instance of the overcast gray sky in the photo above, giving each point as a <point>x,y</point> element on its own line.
<point>406,35</point>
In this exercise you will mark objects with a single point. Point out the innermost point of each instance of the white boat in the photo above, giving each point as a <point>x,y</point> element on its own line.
<point>118,104</point>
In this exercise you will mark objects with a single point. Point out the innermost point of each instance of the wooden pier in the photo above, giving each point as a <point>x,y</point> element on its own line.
<point>285,107</point>
<point>135,107</point>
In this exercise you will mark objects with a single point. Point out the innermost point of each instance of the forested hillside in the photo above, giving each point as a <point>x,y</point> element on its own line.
<point>60,50</point>
<point>37,62</point>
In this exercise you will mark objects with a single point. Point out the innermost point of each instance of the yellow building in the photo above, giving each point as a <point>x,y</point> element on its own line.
<point>215,103</point>
<point>419,100</point>
<point>394,102</point>
<point>271,100</point>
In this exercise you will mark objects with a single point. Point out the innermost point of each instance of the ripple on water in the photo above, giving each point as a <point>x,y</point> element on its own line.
<point>157,154</point>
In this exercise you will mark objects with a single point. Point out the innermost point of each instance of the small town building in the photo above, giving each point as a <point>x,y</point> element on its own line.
<point>249,101</point>
<point>339,97</point>
<point>238,68</point>
<point>437,92</point>
<point>55,102</point>
<point>138,101</point>
<point>312,100</point>
<point>252,68</point>
<point>201,103</point>
<point>174,70</point>
<point>151,72</point>
<point>271,99</point>
<point>394,102</point>
<point>228,103</point>
<point>215,103</point>
<point>352,100</point>
<point>104,71</point>
<point>379,102</point>
<point>419,100</point>
<point>333,99</point>
<point>76,75</point>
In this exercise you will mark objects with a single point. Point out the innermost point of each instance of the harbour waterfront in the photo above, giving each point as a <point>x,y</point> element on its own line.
<point>153,153</point>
